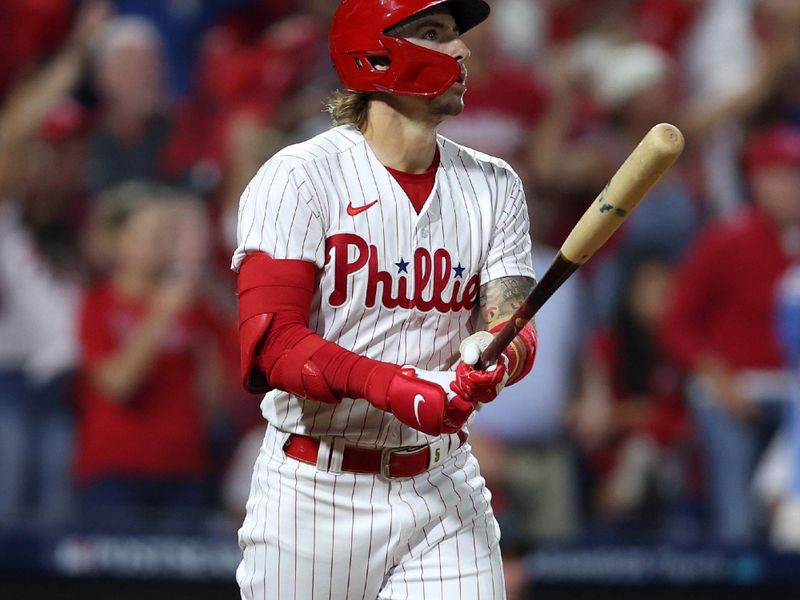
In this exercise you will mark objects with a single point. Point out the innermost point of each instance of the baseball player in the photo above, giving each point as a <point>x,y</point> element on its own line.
<point>374,261</point>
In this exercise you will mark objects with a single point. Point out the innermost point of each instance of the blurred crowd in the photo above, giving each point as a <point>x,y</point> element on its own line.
<point>665,400</point>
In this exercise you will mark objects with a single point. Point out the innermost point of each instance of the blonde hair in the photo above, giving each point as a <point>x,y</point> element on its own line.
<point>347,107</point>
<point>113,209</point>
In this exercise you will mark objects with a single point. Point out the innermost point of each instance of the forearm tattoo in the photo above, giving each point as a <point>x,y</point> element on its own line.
<point>501,297</point>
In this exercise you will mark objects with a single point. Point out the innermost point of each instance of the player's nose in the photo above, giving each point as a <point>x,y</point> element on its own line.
<point>459,50</point>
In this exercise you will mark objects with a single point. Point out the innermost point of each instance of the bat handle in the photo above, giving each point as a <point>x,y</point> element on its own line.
<point>502,339</point>
<point>559,271</point>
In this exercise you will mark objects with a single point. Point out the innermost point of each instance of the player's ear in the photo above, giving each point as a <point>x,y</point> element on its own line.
<point>380,63</point>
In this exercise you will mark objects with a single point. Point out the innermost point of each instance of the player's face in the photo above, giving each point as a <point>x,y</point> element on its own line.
<point>438,32</point>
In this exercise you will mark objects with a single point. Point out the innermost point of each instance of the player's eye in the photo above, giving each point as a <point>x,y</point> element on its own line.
<point>431,35</point>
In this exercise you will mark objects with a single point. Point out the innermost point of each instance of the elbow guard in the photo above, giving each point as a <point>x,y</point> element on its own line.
<point>251,337</point>
<point>268,289</point>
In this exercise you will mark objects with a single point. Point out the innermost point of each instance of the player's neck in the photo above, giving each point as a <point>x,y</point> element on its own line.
<point>403,142</point>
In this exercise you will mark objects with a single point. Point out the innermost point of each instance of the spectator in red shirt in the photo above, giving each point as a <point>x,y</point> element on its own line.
<point>148,366</point>
<point>720,325</point>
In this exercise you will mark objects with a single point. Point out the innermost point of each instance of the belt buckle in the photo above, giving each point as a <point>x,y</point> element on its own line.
<point>386,458</point>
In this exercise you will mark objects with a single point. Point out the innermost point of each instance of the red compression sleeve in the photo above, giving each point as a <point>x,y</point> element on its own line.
<point>289,351</point>
<point>345,372</point>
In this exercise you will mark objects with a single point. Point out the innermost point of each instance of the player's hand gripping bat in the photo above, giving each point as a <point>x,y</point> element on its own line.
<point>633,180</point>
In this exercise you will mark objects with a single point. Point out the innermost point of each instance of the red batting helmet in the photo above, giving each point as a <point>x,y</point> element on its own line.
<point>358,35</point>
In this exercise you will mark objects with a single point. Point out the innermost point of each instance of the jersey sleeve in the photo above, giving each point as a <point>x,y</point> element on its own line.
<point>277,216</point>
<point>510,248</point>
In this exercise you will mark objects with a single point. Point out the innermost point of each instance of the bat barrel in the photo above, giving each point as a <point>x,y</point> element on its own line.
<point>632,181</point>
<point>648,162</point>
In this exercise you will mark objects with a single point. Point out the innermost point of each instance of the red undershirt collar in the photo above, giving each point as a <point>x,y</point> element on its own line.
<point>417,186</point>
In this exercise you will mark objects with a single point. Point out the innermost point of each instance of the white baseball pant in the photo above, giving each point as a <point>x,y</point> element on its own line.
<point>311,533</point>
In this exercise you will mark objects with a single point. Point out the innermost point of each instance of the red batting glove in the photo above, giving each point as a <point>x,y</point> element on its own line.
<point>479,386</point>
<point>419,403</point>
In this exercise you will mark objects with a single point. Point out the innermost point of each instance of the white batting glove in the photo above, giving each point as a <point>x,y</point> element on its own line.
<point>442,378</point>
<point>459,410</point>
<point>472,347</point>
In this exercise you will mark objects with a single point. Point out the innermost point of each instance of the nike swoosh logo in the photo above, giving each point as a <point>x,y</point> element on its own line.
<point>356,210</point>
<point>418,399</point>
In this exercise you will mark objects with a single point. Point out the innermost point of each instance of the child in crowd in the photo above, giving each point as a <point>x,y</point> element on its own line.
<point>150,369</point>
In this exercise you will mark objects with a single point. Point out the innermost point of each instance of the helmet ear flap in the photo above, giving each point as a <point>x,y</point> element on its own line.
<point>417,71</point>
<point>367,59</point>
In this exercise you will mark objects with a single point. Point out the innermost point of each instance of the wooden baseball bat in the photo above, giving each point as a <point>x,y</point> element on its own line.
<point>633,180</point>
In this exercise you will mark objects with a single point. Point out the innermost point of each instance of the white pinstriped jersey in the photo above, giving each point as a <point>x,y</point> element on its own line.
<point>394,285</point>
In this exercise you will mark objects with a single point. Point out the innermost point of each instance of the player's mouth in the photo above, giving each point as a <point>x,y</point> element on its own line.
<point>462,78</point>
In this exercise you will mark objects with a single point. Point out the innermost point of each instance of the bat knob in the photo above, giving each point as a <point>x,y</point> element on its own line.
<point>668,139</point>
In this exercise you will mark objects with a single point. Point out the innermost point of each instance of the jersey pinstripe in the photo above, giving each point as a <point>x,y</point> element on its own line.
<point>394,285</point>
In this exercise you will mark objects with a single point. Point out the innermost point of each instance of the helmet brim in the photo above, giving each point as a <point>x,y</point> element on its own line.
<point>467,13</point>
